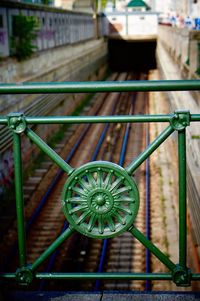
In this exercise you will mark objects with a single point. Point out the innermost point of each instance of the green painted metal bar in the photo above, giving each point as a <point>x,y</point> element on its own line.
<point>89,276</point>
<point>150,149</point>
<point>3,120</point>
<point>7,275</point>
<point>182,199</point>
<point>19,198</point>
<point>115,86</point>
<point>47,150</point>
<point>152,248</point>
<point>66,234</point>
<point>194,117</point>
<point>98,119</point>
<point>111,276</point>
<point>196,276</point>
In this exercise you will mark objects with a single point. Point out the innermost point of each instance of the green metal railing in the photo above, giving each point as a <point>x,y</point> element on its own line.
<point>95,210</point>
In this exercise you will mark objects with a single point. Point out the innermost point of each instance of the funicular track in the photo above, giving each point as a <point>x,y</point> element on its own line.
<point>118,143</point>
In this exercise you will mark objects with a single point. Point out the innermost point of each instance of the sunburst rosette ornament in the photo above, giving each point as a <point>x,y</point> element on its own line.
<point>100,199</point>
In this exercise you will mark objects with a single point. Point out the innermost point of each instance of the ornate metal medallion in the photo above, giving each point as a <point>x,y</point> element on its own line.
<point>100,199</point>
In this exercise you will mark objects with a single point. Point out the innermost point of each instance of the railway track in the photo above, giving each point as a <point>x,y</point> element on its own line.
<point>47,170</point>
<point>111,148</point>
<point>118,143</point>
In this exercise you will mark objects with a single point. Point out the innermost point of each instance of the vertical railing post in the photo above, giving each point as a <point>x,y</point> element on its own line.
<point>19,198</point>
<point>17,124</point>
<point>181,274</point>
<point>182,199</point>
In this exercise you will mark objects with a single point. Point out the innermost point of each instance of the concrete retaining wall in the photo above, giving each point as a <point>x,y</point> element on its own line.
<point>71,63</point>
<point>182,45</point>
<point>81,62</point>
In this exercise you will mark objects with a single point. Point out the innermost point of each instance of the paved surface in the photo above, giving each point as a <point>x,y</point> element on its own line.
<point>101,296</point>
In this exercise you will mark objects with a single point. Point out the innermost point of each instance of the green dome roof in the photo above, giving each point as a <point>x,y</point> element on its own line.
<point>137,3</point>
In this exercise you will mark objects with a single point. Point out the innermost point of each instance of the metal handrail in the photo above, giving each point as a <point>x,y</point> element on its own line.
<point>178,121</point>
<point>108,86</point>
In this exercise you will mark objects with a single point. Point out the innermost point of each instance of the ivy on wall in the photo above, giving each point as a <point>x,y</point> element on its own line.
<point>24,29</point>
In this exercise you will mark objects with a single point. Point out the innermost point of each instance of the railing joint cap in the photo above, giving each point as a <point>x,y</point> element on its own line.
<point>16,122</point>
<point>182,276</point>
<point>24,275</point>
<point>180,120</point>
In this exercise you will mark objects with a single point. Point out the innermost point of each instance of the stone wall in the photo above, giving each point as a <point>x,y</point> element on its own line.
<point>67,63</point>
<point>81,62</point>
<point>182,45</point>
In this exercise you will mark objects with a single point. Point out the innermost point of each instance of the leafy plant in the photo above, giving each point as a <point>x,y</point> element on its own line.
<point>24,33</point>
<point>102,3</point>
<point>46,2</point>
<point>198,71</point>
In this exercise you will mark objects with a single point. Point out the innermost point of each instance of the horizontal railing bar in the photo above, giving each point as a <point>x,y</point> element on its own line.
<point>196,276</point>
<point>3,120</point>
<point>194,117</point>
<point>78,276</point>
<point>112,86</point>
<point>90,276</point>
<point>99,119</point>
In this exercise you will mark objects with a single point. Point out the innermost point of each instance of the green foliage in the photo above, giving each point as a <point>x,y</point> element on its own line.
<point>24,33</point>
<point>102,3</point>
<point>198,71</point>
<point>46,2</point>
<point>195,136</point>
<point>187,62</point>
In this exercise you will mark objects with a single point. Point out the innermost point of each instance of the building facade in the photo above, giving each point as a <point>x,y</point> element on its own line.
<point>66,4</point>
<point>180,7</point>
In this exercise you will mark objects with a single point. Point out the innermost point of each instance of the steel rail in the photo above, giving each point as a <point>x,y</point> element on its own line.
<point>94,157</point>
<point>60,239</point>
<point>52,258</point>
<point>48,151</point>
<point>105,242</point>
<point>150,149</point>
<point>152,248</point>
<point>121,162</point>
<point>53,183</point>
<point>123,86</point>
<point>110,86</point>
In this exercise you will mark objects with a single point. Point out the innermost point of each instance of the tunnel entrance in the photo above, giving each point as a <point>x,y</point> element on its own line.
<point>126,55</point>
